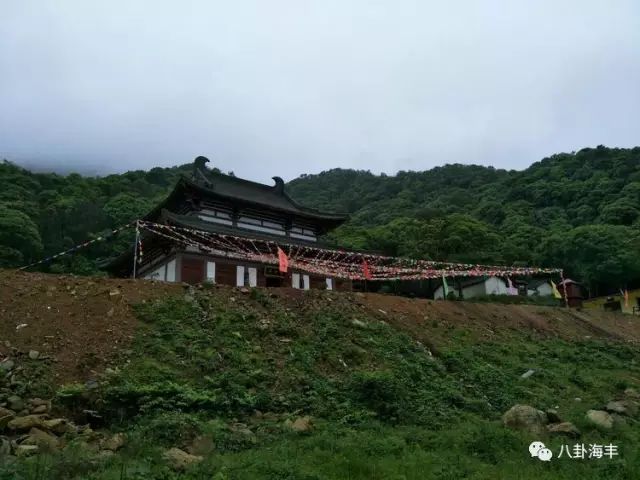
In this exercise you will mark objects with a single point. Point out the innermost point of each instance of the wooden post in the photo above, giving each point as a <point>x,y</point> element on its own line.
<point>564,286</point>
<point>135,249</point>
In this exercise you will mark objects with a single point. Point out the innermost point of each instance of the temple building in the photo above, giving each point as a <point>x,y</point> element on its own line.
<point>240,213</point>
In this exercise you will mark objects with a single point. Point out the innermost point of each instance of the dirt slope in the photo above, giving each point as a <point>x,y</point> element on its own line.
<point>81,322</point>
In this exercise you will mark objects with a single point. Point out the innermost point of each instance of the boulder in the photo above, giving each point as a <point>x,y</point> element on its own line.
<point>564,428</point>
<point>622,407</point>
<point>39,409</point>
<point>600,418</point>
<point>302,424</point>
<point>619,419</point>
<point>202,445</point>
<point>243,430</point>
<point>45,441</point>
<point>26,423</point>
<point>114,442</point>
<point>7,365</point>
<point>525,417</point>
<point>58,425</point>
<point>34,354</point>
<point>26,450</point>
<point>5,447</point>
<point>86,432</point>
<point>15,403</point>
<point>553,416</point>
<point>179,459</point>
<point>632,393</point>
<point>6,416</point>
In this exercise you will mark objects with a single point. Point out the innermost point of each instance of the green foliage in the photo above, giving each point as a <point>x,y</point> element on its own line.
<point>125,207</point>
<point>213,359</point>
<point>598,253</point>
<point>477,214</point>
<point>380,392</point>
<point>19,237</point>
<point>382,406</point>
<point>579,211</point>
<point>42,214</point>
<point>168,428</point>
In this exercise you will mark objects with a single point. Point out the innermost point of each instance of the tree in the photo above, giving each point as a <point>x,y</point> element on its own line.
<point>598,255</point>
<point>623,211</point>
<point>124,208</point>
<point>19,238</point>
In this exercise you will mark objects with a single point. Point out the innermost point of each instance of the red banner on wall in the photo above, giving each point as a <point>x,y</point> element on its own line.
<point>283,261</point>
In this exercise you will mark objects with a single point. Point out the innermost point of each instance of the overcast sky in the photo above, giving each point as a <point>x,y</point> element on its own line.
<point>284,87</point>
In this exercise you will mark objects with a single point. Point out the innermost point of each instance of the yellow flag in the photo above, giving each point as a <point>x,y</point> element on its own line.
<point>556,292</point>
<point>445,287</point>
<point>626,298</point>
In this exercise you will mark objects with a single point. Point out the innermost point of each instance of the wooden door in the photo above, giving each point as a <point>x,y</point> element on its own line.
<point>192,270</point>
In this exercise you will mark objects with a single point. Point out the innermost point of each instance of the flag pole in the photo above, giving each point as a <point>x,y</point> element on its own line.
<point>135,248</point>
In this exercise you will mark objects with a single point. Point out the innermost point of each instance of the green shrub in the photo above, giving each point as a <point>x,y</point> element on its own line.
<point>379,391</point>
<point>169,429</point>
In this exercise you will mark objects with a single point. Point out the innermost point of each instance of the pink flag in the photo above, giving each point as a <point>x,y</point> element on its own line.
<point>283,261</point>
<point>365,270</point>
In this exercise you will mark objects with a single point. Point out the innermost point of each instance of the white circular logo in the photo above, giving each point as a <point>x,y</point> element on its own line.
<point>545,454</point>
<point>535,447</point>
<point>538,449</point>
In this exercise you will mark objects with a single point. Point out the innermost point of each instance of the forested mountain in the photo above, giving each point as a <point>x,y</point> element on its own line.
<point>580,211</point>
<point>44,213</point>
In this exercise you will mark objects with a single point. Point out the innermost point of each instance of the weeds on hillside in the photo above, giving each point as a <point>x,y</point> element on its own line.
<point>383,407</point>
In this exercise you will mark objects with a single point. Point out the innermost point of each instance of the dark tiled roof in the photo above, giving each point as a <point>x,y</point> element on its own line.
<point>256,195</point>
<point>275,197</point>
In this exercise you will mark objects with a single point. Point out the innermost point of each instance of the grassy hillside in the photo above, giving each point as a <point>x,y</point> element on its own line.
<point>280,384</point>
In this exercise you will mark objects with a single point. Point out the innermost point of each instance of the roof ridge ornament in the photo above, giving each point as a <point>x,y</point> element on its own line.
<point>279,186</point>
<point>199,165</point>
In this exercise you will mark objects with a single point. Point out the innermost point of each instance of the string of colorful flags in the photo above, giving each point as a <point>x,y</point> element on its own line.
<point>322,261</point>
<point>332,263</point>
<point>80,246</point>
